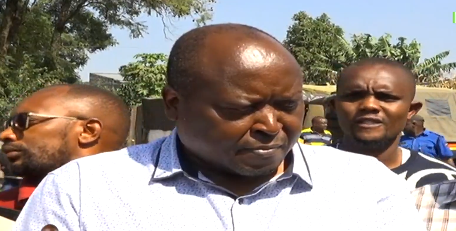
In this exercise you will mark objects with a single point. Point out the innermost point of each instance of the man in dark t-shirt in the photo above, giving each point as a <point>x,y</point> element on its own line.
<point>373,102</point>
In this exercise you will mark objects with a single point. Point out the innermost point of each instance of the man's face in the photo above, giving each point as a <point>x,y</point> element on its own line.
<point>321,124</point>
<point>247,122</point>
<point>373,103</point>
<point>43,147</point>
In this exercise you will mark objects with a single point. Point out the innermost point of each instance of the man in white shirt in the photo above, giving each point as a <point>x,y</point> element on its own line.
<point>232,163</point>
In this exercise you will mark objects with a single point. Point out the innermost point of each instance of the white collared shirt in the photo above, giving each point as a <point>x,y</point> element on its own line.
<point>327,189</point>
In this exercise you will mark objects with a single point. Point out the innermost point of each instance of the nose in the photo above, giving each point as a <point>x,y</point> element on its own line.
<point>8,135</point>
<point>266,122</point>
<point>370,103</point>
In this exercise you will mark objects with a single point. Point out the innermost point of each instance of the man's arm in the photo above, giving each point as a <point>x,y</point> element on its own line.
<point>55,201</point>
<point>443,152</point>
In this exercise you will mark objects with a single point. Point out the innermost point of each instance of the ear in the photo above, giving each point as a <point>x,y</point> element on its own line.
<point>415,107</point>
<point>171,100</point>
<point>91,131</point>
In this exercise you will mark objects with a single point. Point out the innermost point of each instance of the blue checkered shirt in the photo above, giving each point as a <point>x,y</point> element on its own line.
<point>137,189</point>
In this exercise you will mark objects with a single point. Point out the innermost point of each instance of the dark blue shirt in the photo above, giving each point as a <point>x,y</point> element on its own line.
<point>429,143</point>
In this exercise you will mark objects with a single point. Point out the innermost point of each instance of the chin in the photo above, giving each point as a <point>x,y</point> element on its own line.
<point>257,171</point>
<point>369,138</point>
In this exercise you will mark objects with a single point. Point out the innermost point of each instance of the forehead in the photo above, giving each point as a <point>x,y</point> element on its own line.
<point>375,77</point>
<point>261,68</point>
<point>47,102</point>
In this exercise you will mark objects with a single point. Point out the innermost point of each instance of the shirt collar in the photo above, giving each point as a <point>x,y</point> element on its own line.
<point>169,161</point>
<point>425,132</point>
<point>166,159</point>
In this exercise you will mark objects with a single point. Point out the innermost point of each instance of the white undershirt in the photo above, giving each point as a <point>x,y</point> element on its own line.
<point>405,155</point>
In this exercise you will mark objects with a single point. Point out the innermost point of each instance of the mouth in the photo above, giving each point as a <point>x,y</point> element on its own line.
<point>368,122</point>
<point>11,152</point>
<point>264,150</point>
<point>13,155</point>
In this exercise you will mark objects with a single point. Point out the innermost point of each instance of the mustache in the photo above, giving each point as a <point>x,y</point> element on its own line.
<point>8,147</point>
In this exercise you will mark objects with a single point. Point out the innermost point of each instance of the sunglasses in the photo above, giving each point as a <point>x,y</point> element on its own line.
<point>21,121</point>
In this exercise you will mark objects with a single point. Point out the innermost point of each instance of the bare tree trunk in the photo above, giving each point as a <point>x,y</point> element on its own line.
<point>11,8</point>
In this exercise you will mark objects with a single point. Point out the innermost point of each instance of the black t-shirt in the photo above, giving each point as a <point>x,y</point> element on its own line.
<point>421,170</point>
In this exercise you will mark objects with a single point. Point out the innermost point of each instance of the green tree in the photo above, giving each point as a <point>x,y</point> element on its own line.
<point>365,46</point>
<point>322,51</point>
<point>314,42</point>
<point>47,41</point>
<point>430,70</point>
<point>143,78</point>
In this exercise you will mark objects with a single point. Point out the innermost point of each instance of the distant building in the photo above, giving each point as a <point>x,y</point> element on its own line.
<point>106,80</point>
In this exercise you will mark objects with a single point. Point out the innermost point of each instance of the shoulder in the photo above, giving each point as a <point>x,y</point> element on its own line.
<point>355,172</point>
<point>328,132</point>
<point>306,130</point>
<point>423,161</point>
<point>432,134</point>
<point>327,157</point>
<point>123,161</point>
<point>423,170</point>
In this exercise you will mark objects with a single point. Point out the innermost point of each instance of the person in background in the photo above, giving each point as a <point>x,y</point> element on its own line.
<point>233,159</point>
<point>417,138</point>
<point>317,134</point>
<point>56,125</point>
<point>373,102</point>
<point>436,204</point>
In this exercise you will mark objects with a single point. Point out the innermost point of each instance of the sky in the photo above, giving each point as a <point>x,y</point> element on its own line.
<point>429,22</point>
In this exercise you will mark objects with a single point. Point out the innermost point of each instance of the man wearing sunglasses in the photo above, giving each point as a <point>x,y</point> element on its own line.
<point>56,125</point>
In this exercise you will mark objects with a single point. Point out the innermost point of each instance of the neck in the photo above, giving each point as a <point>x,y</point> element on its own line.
<point>419,131</point>
<point>240,185</point>
<point>237,184</point>
<point>32,181</point>
<point>391,156</point>
<point>317,130</point>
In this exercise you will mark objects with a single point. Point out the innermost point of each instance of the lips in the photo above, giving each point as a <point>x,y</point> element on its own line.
<point>368,122</point>
<point>264,150</point>
<point>11,151</point>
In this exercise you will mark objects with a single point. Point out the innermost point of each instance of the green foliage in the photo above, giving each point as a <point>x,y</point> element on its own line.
<point>28,78</point>
<point>143,78</point>
<point>46,41</point>
<point>321,49</point>
<point>314,42</point>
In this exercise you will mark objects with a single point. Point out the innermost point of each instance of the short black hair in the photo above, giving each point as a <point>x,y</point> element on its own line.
<point>110,102</point>
<point>316,118</point>
<point>417,118</point>
<point>372,61</point>
<point>184,63</point>
<point>98,98</point>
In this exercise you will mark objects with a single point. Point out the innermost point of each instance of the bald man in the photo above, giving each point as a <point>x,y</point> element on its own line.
<point>317,134</point>
<point>416,137</point>
<point>232,163</point>
<point>56,125</point>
